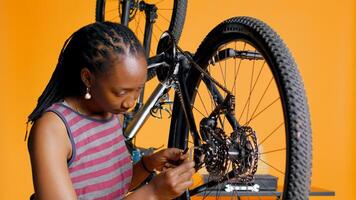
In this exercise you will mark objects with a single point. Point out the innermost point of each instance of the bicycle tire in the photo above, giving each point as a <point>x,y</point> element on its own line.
<point>288,82</point>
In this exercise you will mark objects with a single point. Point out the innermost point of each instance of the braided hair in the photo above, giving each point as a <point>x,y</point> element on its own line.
<point>94,47</point>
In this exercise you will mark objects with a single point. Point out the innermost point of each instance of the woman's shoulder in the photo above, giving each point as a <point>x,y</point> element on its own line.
<point>48,131</point>
<point>49,153</point>
<point>48,122</point>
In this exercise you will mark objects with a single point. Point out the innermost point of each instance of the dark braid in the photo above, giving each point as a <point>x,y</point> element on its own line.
<point>94,47</point>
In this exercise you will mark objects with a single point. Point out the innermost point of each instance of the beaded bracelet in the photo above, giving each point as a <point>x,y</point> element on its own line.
<point>144,166</point>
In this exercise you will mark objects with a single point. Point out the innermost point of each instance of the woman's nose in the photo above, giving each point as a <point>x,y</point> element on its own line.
<point>129,103</point>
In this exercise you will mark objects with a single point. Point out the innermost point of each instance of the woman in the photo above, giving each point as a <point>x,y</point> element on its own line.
<point>76,144</point>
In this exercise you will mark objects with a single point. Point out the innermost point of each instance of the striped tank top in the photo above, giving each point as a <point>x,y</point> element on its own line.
<point>100,166</point>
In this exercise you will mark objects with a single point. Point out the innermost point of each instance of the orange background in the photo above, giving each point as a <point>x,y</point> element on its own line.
<point>320,34</point>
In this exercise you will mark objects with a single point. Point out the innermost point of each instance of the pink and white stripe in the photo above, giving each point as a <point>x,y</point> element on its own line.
<point>101,166</point>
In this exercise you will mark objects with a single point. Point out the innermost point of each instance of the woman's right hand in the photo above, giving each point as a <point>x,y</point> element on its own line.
<point>174,181</point>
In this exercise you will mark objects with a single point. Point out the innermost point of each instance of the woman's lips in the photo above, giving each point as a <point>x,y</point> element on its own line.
<point>120,111</point>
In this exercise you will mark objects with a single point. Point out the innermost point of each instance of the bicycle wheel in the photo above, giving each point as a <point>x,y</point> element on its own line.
<point>269,134</point>
<point>170,16</point>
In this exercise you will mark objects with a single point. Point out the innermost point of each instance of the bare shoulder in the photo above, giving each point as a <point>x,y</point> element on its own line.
<point>49,148</point>
<point>47,132</point>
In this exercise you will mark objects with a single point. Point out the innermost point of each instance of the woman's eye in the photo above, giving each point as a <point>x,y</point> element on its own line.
<point>121,93</point>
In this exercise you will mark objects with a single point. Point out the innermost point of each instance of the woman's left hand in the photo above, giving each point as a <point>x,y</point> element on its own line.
<point>164,159</point>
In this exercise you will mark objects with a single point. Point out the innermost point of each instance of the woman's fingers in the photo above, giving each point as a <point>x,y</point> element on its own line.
<point>174,181</point>
<point>169,165</point>
<point>169,158</point>
<point>184,185</point>
<point>186,176</point>
<point>185,180</point>
<point>184,156</point>
<point>174,153</point>
<point>185,166</point>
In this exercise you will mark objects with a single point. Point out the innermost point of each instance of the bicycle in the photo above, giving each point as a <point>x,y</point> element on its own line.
<point>229,131</point>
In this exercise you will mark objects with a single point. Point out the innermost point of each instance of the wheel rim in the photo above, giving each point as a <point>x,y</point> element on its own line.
<point>258,105</point>
<point>137,18</point>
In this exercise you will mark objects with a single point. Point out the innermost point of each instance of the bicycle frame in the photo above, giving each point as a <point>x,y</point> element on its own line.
<point>144,112</point>
<point>141,113</point>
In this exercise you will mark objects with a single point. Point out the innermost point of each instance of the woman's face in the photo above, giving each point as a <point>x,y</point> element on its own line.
<point>117,90</point>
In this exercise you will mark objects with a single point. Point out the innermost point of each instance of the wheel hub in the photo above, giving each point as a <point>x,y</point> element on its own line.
<point>222,153</point>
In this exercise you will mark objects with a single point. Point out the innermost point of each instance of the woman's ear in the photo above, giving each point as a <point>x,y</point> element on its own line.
<point>87,77</point>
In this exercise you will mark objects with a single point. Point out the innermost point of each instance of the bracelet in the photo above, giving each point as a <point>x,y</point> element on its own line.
<point>144,166</point>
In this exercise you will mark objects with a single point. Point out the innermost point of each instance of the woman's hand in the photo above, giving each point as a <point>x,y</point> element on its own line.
<point>173,182</point>
<point>175,176</point>
<point>164,159</point>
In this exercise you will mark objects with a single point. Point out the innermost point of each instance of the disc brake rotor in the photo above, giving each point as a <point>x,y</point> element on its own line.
<point>222,153</point>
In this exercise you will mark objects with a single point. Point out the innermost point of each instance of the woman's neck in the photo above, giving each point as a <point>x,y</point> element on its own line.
<point>87,107</point>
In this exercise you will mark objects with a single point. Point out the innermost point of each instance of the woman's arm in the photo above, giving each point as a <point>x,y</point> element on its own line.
<point>139,174</point>
<point>49,148</point>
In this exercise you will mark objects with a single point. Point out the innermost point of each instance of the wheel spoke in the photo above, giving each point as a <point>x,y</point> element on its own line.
<point>260,100</point>
<point>159,28</point>
<point>250,94</point>
<point>269,135</point>
<point>253,117</point>
<point>223,75</point>
<point>253,87</point>
<point>278,170</point>
<point>112,19</point>
<point>272,151</point>
<point>225,68</point>
<point>198,111</point>
<point>154,35</point>
<point>167,20</point>
<point>238,69</point>
<point>137,22</point>
<point>209,92</point>
<point>111,10</point>
<point>201,100</point>
<point>221,122</point>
